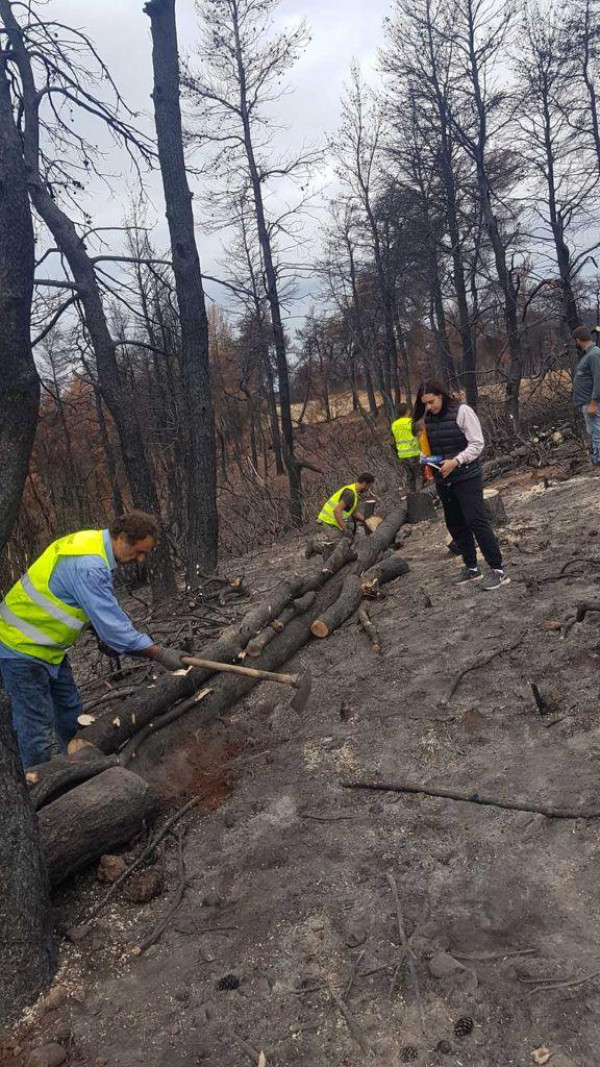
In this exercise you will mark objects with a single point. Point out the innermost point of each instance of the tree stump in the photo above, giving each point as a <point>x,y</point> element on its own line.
<point>27,953</point>
<point>420,507</point>
<point>97,817</point>
<point>494,507</point>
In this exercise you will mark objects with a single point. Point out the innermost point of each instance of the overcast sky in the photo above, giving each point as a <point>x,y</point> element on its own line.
<point>341,30</point>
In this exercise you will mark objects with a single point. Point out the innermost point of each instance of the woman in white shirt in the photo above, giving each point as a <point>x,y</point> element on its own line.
<point>455,435</point>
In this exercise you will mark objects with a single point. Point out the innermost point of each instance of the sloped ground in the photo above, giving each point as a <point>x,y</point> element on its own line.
<point>292,878</point>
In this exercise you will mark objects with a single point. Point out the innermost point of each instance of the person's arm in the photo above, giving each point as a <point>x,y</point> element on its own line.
<point>594,359</point>
<point>93,591</point>
<point>467,421</point>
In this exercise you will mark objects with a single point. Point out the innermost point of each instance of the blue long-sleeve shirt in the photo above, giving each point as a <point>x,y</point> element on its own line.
<point>86,582</point>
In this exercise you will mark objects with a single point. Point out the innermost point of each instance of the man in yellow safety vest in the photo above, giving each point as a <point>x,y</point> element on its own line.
<point>407,447</point>
<point>67,587</point>
<point>338,512</point>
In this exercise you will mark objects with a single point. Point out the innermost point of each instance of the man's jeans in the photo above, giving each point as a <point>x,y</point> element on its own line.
<point>592,425</point>
<point>41,705</point>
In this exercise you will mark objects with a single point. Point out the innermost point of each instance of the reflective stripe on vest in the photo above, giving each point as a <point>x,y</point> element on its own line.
<point>326,513</point>
<point>33,621</point>
<point>407,444</point>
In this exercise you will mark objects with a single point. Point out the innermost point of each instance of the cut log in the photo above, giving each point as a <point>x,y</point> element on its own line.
<point>96,817</point>
<point>494,507</point>
<point>387,570</point>
<point>420,507</point>
<point>50,780</point>
<point>346,604</point>
<point>352,592</point>
<point>297,607</point>
<point>27,949</point>
<point>367,624</point>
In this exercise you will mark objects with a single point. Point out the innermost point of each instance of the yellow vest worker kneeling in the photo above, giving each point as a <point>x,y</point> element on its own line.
<point>336,512</point>
<point>69,586</point>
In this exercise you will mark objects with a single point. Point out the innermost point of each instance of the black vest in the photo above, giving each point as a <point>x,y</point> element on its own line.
<point>447,439</point>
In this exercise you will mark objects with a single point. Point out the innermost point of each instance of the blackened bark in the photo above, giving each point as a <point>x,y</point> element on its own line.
<point>27,952</point>
<point>19,385</point>
<point>202,519</point>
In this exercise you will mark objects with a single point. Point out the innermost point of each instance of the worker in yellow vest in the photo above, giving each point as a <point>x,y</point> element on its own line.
<point>339,514</point>
<point>69,586</point>
<point>407,447</point>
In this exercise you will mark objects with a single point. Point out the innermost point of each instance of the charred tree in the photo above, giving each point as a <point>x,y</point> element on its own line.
<point>19,385</point>
<point>27,950</point>
<point>202,521</point>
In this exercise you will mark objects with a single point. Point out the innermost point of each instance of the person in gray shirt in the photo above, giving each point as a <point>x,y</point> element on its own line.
<point>586,387</point>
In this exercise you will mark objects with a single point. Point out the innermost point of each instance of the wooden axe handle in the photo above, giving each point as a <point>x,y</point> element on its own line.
<point>249,672</point>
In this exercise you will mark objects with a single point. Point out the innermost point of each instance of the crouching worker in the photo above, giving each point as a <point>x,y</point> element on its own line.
<point>69,586</point>
<point>339,515</point>
<point>456,442</point>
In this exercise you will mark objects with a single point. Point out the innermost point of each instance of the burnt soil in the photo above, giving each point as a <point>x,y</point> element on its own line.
<point>290,876</point>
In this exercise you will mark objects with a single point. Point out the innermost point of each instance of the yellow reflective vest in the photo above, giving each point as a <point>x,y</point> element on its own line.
<point>326,513</point>
<point>35,622</point>
<point>407,444</point>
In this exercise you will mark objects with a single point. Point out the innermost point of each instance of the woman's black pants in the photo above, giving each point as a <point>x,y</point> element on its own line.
<point>467,521</point>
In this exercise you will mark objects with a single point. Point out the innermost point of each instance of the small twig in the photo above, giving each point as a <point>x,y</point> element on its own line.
<point>353,974</point>
<point>182,885</point>
<point>115,694</point>
<point>328,818</point>
<point>482,662</point>
<point>473,798</point>
<point>369,627</point>
<point>486,956</point>
<point>147,851</point>
<point>351,1023</point>
<point>570,562</point>
<point>407,952</point>
<point>544,985</point>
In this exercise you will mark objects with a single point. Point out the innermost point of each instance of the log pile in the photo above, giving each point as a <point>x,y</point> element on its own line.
<point>88,803</point>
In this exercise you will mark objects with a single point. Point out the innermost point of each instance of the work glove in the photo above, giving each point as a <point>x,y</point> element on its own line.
<point>170,658</point>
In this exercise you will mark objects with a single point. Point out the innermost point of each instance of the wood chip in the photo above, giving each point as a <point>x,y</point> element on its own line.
<point>117,721</point>
<point>86,720</point>
<point>541,1055</point>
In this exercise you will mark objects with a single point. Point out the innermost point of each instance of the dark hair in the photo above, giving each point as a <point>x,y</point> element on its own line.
<point>582,333</point>
<point>366,479</point>
<point>402,410</point>
<point>438,390</point>
<point>135,525</point>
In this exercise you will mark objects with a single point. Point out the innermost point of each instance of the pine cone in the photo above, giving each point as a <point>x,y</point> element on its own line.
<point>409,1053</point>
<point>463,1026</point>
<point>444,1047</point>
<point>230,981</point>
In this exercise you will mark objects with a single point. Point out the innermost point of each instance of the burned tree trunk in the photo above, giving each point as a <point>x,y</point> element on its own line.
<point>50,780</point>
<point>27,951</point>
<point>494,507</point>
<point>96,817</point>
<point>420,507</point>
<point>19,385</point>
<point>202,519</point>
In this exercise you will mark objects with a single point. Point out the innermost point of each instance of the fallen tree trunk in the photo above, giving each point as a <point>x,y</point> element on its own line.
<point>49,780</point>
<point>98,816</point>
<point>344,606</point>
<point>297,607</point>
<point>388,570</point>
<point>227,690</point>
<point>111,732</point>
